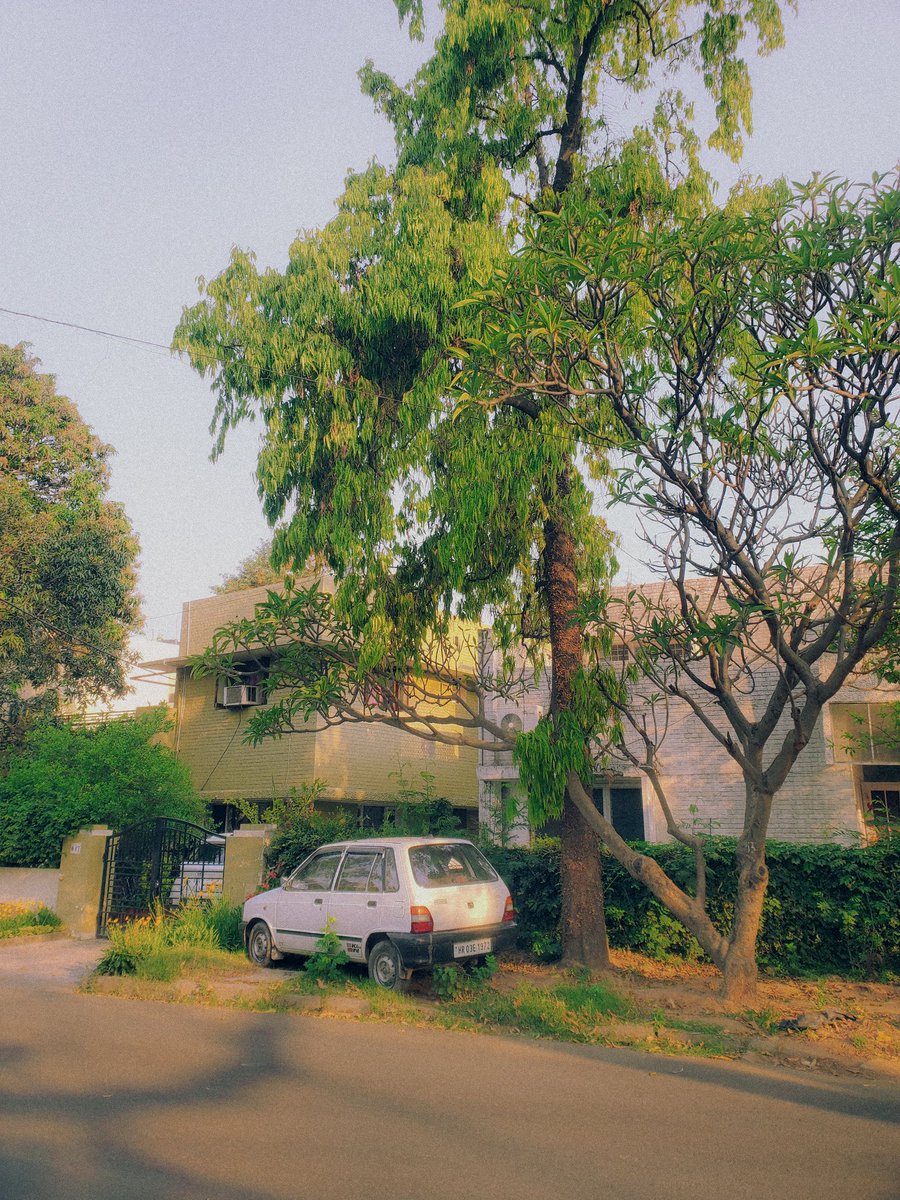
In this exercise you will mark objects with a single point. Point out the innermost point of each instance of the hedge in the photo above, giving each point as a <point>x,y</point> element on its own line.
<point>828,908</point>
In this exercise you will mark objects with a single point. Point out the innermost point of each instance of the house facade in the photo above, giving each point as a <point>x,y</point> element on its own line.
<point>848,774</point>
<point>845,783</point>
<point>362,767</point>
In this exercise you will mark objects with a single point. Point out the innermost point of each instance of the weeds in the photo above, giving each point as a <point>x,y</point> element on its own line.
<point>326,965</point>
<point>18,918</point>
<point>161,945</point>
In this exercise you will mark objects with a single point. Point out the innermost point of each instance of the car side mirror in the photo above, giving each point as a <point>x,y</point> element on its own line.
<point>286,882</point>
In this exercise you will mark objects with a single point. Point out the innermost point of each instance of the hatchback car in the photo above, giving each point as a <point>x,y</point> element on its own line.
<point>398,904</point>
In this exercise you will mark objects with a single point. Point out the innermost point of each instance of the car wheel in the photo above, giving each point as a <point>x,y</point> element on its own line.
<point>386,968</point>
<point>259,945</point>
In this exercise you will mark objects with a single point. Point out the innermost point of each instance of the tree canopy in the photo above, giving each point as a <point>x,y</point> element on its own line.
<point>67,595</point>
<point>255,570</point>
<point>62,778</point>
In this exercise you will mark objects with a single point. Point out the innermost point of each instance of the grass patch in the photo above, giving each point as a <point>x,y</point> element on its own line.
<point>566,1013</point>
<point>162,945</point>
<point>18,918</point>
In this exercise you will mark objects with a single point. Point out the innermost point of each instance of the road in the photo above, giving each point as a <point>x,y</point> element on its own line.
<point>102,1098</point>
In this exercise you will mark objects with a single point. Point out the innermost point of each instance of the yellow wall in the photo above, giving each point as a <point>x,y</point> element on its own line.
<point>354,762</point>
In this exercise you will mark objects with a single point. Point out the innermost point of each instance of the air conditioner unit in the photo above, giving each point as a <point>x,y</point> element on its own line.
<point>240,695</point>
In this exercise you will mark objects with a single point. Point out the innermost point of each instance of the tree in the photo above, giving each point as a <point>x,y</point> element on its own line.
<point>747,365</point>
<point>415,507</point>
<point>66,552</point>
<point>255,570</point>
<point>62,778</point>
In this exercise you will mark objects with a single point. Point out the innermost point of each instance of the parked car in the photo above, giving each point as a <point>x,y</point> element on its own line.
<point>201,879</point>
<point>399,904</point>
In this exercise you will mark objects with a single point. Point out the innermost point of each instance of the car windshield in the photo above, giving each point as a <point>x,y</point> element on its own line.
<point>449,864</point>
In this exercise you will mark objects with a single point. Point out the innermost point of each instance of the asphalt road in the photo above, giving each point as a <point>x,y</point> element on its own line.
<point>103,1098</point>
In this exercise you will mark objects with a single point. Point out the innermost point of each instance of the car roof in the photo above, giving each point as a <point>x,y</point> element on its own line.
<point>399,842</point>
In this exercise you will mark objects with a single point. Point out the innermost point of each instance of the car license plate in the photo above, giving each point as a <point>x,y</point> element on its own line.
<point>465,949</point>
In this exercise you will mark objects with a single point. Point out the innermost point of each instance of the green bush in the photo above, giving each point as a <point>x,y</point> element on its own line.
<point>155,946</point>
<point>828,907</point>
<point>63,778</point>
<point>300,827</point>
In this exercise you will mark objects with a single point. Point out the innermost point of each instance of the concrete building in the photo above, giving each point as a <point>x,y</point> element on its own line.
<point>362,767</point>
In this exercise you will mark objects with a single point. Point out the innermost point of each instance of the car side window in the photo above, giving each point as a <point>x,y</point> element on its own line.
<point>391,878</point>
<point>317,874</point>
<point>361,872</point>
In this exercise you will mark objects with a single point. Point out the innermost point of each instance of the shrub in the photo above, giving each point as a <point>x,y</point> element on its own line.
<point>155,946</point>
<point>63,778</point>
<point>329,959</point>
<point>828,907</point>
<point>18,917</point>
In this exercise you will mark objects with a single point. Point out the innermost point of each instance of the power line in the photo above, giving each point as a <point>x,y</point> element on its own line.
<point>119,337</point>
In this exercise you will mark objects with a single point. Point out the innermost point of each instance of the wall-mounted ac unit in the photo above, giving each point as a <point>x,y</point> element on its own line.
<point>240,695</point>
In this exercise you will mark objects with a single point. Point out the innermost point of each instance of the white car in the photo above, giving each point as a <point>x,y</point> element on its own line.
<point>398,904</point>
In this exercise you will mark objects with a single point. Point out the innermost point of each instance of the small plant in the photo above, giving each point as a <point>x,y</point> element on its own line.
<point>447,982</point>
<point>766,1019</point>
<point>329,959</point>
<point>18,917</point>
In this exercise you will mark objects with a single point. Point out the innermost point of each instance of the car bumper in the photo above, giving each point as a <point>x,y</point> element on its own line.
<point>419,950</point>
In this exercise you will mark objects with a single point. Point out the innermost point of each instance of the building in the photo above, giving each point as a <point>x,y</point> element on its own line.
<point>361,767</point>
<point>843,787</point>
<point>847,773</point>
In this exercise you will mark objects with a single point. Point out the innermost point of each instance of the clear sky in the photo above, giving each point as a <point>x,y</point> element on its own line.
<point>141,141</point>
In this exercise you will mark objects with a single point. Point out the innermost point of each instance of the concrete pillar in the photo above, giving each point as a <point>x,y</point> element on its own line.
<point>244,861</point>
<point>81,879</point>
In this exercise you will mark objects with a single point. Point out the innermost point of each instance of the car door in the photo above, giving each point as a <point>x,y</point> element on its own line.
<point>302,909</point>
<point>366,898</point>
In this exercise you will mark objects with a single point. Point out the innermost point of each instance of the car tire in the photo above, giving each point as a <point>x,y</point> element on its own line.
<point>385,967</point>
<point>259,944</point>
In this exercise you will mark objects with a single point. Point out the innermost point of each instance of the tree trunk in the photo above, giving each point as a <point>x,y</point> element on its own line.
<point>584,941</point>
<point>740,969</point>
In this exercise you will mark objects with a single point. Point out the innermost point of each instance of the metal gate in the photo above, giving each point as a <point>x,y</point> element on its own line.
<point>159,862</point>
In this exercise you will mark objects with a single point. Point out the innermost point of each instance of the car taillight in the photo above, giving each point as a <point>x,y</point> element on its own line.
<point>509,913</point>
<point>420,919</point>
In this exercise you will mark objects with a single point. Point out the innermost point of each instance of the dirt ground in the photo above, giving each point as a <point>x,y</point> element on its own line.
<point>858,1029</point>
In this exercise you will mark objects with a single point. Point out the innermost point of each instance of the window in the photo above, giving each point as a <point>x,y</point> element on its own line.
<point>623,806</point>
<point>880,796</point>
<point>359,874</point>
<point>449,865</point>
<point>865,733</point>
<point>317,874</point>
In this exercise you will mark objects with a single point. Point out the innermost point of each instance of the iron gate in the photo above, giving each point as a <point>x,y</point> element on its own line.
<point>159,862</point>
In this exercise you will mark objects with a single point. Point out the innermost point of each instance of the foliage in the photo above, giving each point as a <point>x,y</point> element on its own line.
<point>329,958</point>
<point>18,918</point>
<point>66,553</point>
<point>828,908</point>
<point>301,827</point>
<point>159,945</point>
<point>453,981</point>
<point>255,570</point>
<point>64,777</point>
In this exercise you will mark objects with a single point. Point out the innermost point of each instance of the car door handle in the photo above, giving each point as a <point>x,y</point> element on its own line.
<point>371,904</point>
<point>317,901</point>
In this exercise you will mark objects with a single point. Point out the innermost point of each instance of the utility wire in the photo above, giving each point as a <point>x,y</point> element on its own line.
<point>119,337</point>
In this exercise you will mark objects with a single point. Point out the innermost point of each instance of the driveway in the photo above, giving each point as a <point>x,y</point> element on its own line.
<point>104,1098</point>
<point>49,960</point>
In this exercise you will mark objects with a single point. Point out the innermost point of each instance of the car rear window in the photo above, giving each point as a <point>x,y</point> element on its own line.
<point>449,864</point>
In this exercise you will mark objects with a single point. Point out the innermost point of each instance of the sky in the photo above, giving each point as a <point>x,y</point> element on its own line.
<point>140,142</point>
